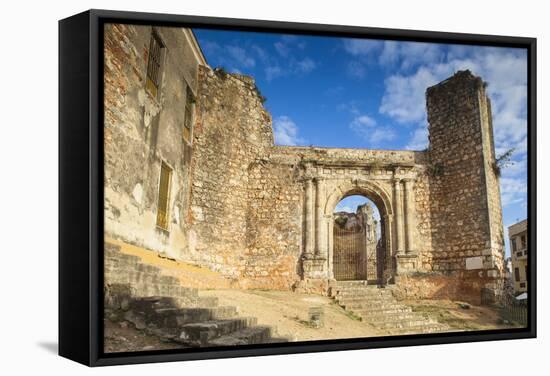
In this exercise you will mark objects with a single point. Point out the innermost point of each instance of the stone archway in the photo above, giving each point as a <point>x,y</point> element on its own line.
<point>389,187</point>
<point>382,201</point>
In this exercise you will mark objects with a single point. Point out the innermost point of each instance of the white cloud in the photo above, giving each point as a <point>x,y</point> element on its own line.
<point>305,66</point>
<point>345,208</point>
<point>419,139</point>
<point>356,69</point>
<point>409,54</point>
<point>272,72</point>
<point>404,99</point>
<point>367,128</point>
<point>512,190</point>
<point>282,48</point>
<point>240,56</point>
<point>361,47</point>
<point>233,57</point>
<point>285,62</point>
<point>362,122</point>
<point>285,132</point>
<point>503,69</point>
<point>381,134</point>
<point>518,167</point>
<point>261,53</point>
<point>248,59</point>
<point>352,107</point>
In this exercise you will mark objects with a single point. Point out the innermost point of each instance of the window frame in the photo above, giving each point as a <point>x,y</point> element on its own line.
<point>517,276</point>
<point>155,37</point>
<point>170,170</point>
<point>190,101</point>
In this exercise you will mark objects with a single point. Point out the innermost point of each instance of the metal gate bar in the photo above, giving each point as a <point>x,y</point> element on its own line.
<point>349,260</point>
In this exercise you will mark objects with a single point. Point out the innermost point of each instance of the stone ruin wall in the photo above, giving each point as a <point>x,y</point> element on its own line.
<point>231,132</point>
<point>457,222</point>
<point>465,206</point>
<point>339,167</point>
<point>247,198</point>
<point>237,206</point>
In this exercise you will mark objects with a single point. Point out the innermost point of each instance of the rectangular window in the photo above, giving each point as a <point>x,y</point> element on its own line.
<point>516,274</point>
<point>164,195</point>
<point>154,65</point>
<point>523,242</point>
<point>188,121</point>
<point>514,248</point>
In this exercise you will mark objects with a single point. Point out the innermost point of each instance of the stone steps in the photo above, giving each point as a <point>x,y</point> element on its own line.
<point>425,329</point>
<point>136,276</point>
<point>202,333</point>
<point>402,323</point>
<point>370,305</point>
<point>248,336</point>
<point>371,312</point>
<point>160,306</point>
<point>359,294</point>
<point>384,317</point>
<point>379,308</point>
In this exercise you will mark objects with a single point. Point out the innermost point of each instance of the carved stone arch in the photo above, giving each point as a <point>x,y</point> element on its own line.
<point>384,204</point>
<point>369,189</point>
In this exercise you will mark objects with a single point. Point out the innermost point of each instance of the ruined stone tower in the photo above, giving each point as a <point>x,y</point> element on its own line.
<point>466,215</point>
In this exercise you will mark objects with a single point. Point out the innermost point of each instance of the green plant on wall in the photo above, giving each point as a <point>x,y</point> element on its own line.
<point>502,161</point>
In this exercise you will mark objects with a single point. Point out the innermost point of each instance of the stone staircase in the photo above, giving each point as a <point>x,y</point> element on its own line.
<point>160,306</point>
<point>378,307</point>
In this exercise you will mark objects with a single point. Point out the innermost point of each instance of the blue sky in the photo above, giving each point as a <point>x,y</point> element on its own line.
<point>360,93</point>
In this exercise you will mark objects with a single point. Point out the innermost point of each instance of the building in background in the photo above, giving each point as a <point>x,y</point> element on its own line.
<point>518,249</point>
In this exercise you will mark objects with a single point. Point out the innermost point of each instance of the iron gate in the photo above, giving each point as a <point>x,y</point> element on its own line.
<point>349,258</point>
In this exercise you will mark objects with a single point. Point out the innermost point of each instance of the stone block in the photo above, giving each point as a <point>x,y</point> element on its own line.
<point>473,263</point>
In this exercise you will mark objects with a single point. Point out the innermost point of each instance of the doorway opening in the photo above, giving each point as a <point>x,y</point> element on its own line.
<point>358,241</point>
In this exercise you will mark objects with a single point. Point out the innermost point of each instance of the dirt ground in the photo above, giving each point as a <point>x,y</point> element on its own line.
<point>124,337</point>
<point>460,316</point>
<point>288,313</point>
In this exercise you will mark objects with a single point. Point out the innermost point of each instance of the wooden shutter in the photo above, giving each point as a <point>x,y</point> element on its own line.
<point>188,116</point>
<point>164,193</point>
<point>154,65</point>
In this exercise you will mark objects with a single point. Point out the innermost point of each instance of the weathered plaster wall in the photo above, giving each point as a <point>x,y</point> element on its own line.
<point>140,131</point>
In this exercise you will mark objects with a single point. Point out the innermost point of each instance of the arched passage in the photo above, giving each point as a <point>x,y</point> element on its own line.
<point>358,242</point>
<point>353,254</point>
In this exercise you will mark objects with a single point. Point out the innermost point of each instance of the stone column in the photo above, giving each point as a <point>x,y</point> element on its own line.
<point>398,217</point>
<point>329,221</point>
<point>320,237</point>
<point>308,222</point>
<point>388,219</point>
<point>409,215</point>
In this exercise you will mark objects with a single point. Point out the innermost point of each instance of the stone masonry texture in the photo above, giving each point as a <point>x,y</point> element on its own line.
<point>260,214</point>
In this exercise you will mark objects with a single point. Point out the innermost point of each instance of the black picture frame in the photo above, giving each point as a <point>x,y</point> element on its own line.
<point>81,182</point>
